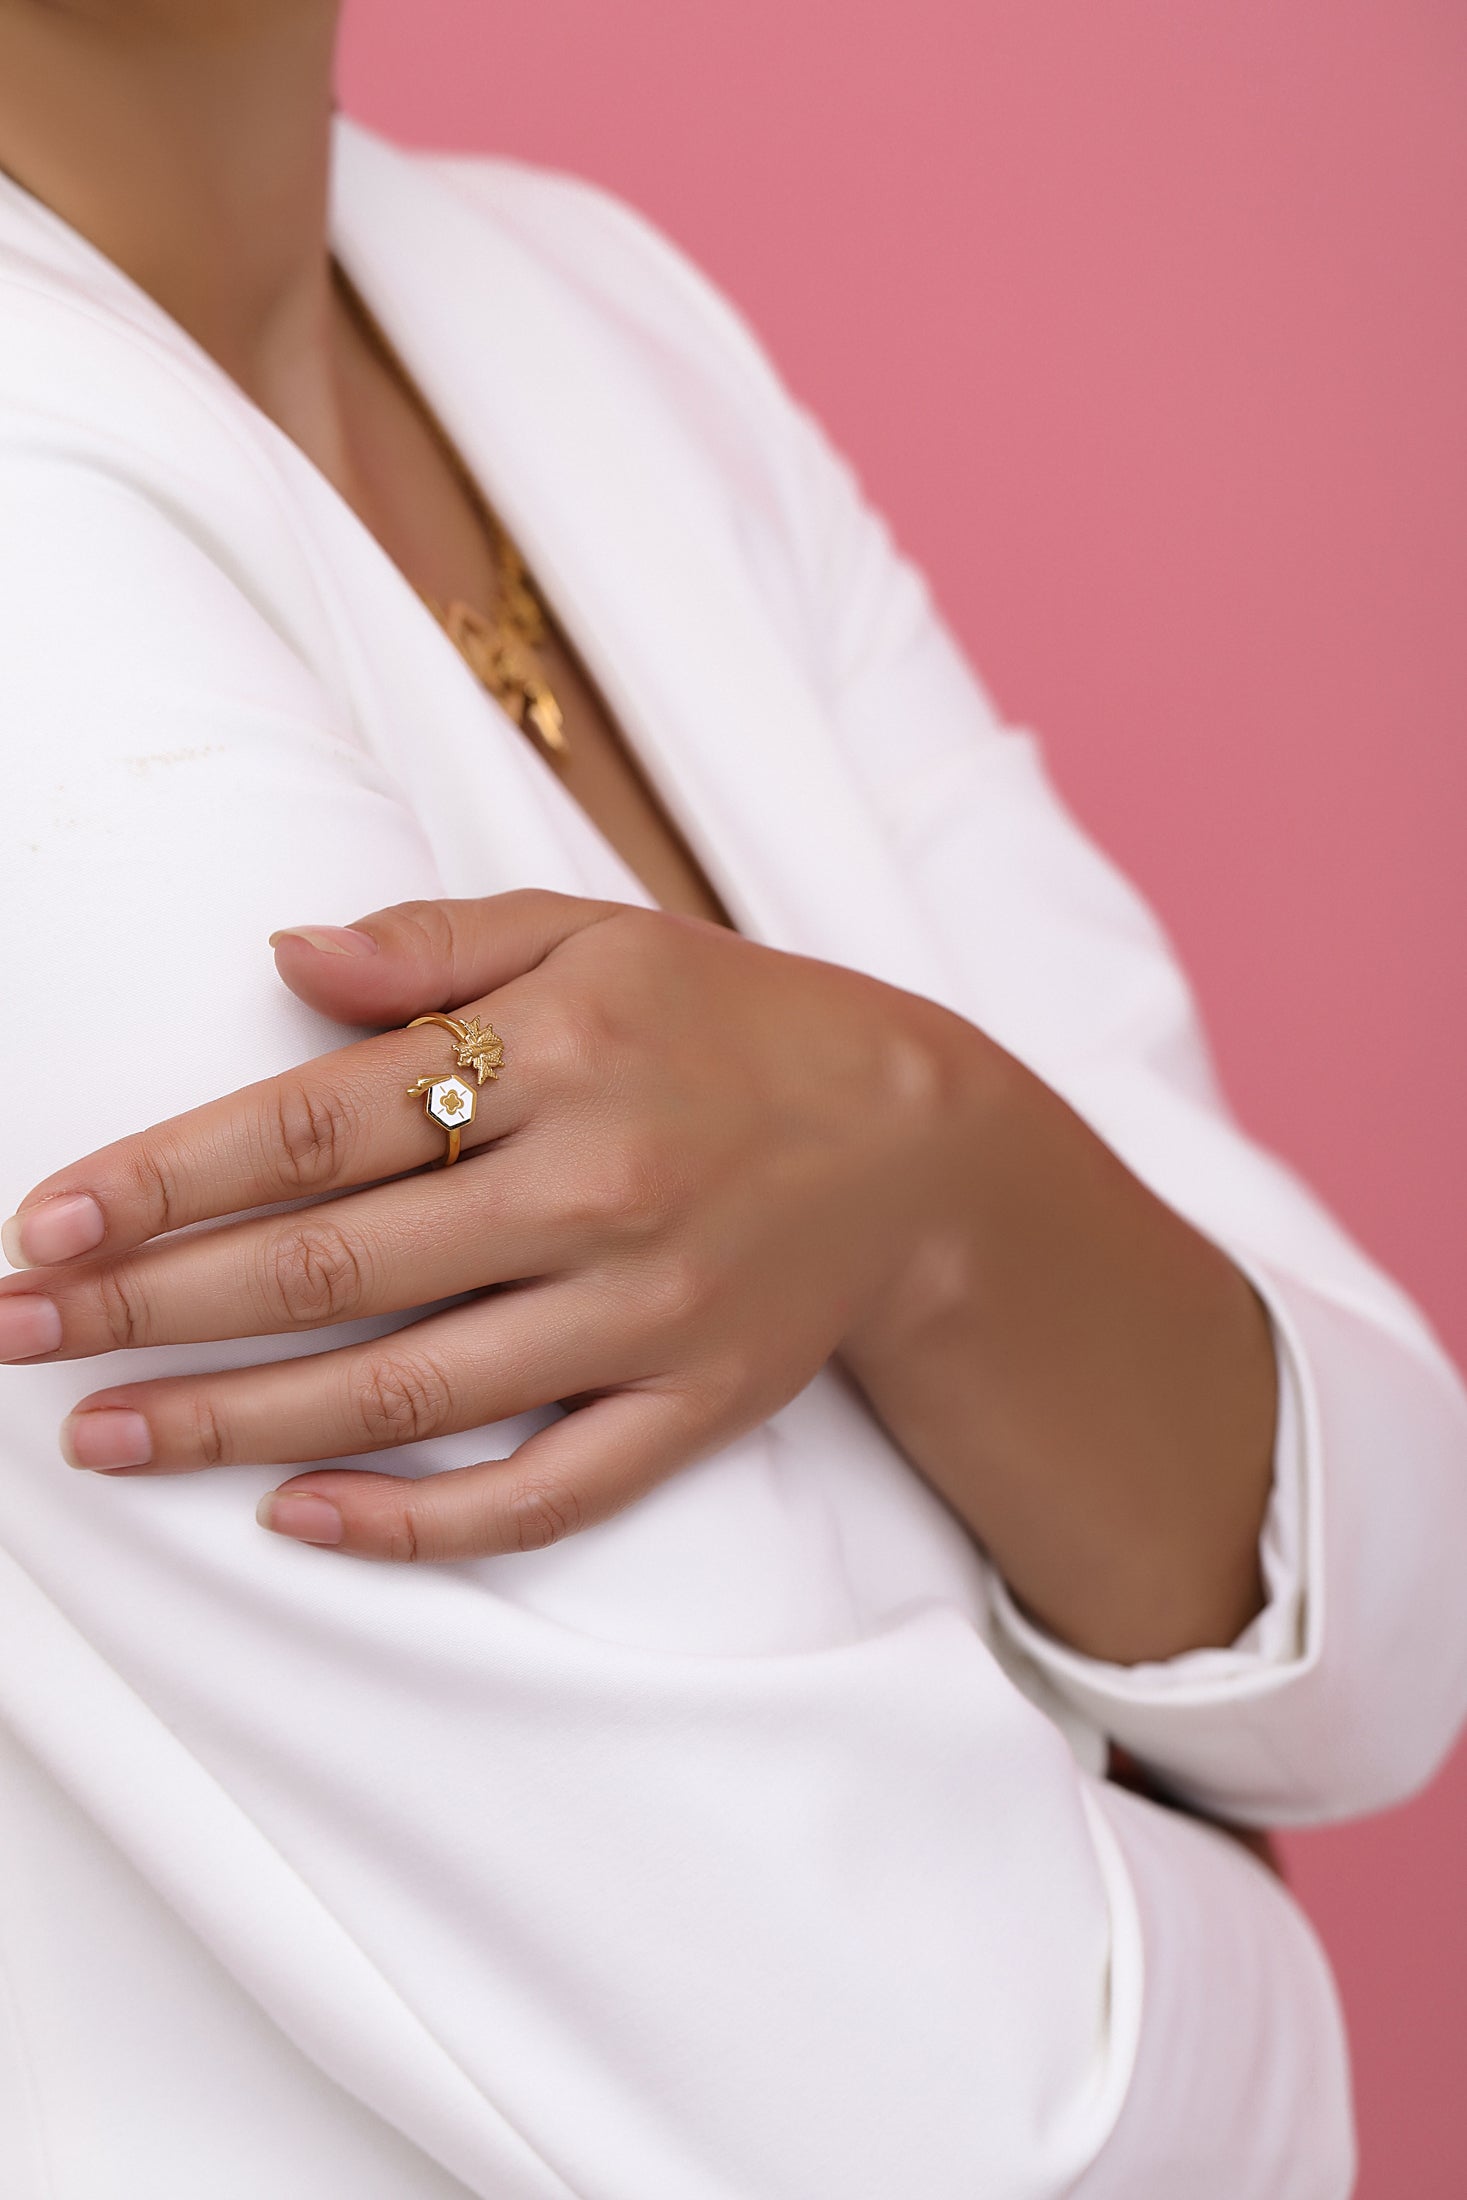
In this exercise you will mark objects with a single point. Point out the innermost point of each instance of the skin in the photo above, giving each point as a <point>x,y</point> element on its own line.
<point>709,1166</point>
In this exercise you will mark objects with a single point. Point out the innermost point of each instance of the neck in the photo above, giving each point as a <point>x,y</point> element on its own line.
<point>189,140</point>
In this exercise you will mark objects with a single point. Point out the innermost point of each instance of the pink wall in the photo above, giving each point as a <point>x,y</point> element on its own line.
<point>1146,324</point>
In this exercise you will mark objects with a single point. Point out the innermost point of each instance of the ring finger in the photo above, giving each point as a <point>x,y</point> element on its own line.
<point>341,1120</point>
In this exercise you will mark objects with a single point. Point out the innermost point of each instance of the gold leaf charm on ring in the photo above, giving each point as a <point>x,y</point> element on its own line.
<point>479,1045</point>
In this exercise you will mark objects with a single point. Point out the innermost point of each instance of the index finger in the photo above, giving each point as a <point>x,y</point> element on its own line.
<point>343,1119</point>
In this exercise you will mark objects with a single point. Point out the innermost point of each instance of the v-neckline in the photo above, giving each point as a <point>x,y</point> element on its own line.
<point>609,488</point>
<point>491,474</point>
<point>401,370</point>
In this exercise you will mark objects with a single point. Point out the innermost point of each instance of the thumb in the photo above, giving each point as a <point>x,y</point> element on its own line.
<point>425,955</point>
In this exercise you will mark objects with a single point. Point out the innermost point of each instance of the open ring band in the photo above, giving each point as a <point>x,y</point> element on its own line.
<point>450,1101</point>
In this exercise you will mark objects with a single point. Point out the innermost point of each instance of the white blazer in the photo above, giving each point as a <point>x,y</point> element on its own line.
<point>750,1846</point>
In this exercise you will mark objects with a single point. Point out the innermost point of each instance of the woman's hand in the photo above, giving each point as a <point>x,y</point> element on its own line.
<point>702,1163</point>
<point>707,1166</point>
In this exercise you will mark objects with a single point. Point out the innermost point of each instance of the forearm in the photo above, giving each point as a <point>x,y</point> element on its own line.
<point>1087,1380</point>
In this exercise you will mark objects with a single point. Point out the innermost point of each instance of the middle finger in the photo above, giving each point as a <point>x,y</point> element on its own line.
<point>499,1217</point>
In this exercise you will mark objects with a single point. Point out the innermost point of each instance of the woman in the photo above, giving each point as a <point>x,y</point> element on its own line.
<point>850,1372</point>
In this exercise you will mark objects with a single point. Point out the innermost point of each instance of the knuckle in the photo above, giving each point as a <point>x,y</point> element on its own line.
<point>428,931</point>
<point>209,1432</point>
<point>402,1401</point>
<point>910,1073</point>
<point>618,1189</point>
<point>676,1290</point>
<point>313,1275</point>
<point>571,1050</point>
<point>640,1192</point>
<point>309,1133</point>
<point>123,1307</point>
<point>153,1177</point>
<point>541,1513</point>
<point>400,1538</point>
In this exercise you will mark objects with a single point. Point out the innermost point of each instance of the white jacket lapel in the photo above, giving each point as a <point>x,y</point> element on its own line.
<point>620,518</point>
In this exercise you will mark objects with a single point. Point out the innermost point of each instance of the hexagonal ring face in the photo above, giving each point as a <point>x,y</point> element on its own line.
<point>451,1103</point>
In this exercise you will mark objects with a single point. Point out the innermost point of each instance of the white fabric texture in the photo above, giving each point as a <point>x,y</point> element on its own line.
<point>751,1845</point>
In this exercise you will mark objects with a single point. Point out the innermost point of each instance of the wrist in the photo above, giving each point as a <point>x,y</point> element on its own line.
<point>954,1086</point>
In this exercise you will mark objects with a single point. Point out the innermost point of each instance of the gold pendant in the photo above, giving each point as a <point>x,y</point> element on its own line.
<point>504,664</point>
<point>544,714</point>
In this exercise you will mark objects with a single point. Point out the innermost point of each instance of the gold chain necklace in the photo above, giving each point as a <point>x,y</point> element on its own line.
<point>498,649</point>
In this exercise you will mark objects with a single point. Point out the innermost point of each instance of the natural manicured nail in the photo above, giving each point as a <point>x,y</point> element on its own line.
<point>54,1229</point>
<point>28,1325</point>
<point>329,939</point>
<point>308,1519</point>
<point>107,1436</point>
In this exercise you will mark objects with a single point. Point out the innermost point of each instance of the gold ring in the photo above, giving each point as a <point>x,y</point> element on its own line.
<point>448,1101</point>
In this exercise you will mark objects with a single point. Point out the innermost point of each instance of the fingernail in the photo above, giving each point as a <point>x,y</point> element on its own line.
<point>107,1436</point>
<point>309,1519</point>
<point>28,1325</point>
<point>329,939</point>
<point>54,1229</point>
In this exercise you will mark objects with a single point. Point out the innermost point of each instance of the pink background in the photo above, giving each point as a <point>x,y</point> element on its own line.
<point>1146,325</point>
